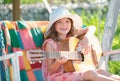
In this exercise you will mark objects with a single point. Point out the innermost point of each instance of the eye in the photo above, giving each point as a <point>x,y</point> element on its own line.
<point>68,21</point>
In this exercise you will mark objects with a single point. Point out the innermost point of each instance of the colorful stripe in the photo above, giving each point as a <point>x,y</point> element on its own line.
<point>22,63</point>
<point>23,75</point>
<point>37,36</point>
<point>20,41</point>
<point>27,64</point>
<point>9,25</point>
<point>14,38</point>
<point>11,70</point>
<point>2,72</point>
<point>21,24</point>
<point>27,39</point>
<point>38,74</point>
<point>31,76</point>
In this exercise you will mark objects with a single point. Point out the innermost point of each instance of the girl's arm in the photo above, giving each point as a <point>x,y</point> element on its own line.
<point>86,41</point>
<point>53,65</point>
<point>82,32</point>
<point>90,31</point>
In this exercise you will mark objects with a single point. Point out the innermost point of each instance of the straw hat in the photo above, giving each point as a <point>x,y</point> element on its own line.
<point>60,13</point>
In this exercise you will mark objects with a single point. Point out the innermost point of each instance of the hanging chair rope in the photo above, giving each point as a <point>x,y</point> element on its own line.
<point>47,6</point>
<point>14,60</point>
<point>3,53</point>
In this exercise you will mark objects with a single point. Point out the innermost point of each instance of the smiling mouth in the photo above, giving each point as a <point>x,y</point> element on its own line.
<point>64,29</point>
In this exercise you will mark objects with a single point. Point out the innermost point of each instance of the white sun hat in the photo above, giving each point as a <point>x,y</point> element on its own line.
<point>60,13</point>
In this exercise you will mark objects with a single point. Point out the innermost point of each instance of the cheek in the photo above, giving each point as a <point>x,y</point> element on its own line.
<point>57,28</point>
<point>70,27</point>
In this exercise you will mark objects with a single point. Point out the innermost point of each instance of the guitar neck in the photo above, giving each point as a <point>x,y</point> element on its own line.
<point>71,55</point>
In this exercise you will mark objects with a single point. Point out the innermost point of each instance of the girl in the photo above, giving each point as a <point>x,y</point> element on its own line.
<point>61,26</point>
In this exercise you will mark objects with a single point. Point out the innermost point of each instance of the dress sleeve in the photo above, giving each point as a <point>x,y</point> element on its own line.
<point>52,42</point>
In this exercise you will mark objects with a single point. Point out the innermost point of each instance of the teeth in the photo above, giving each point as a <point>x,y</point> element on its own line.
<point>63,29</point>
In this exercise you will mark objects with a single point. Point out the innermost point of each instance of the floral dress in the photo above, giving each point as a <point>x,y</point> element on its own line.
<point>60,75</point>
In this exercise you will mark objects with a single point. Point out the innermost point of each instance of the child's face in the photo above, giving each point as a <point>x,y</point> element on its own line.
<point>63,26</point>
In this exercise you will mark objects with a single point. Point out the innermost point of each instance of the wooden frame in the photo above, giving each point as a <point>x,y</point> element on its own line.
<point>15,64</point>
<point>109,55</point>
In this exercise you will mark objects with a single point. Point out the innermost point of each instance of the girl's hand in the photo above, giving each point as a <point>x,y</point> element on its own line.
<point>62,60</point>
<point>85,46</point>
<point>85,42</point>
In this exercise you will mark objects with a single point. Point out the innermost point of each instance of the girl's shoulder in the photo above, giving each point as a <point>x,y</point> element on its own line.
<point>50,41</point>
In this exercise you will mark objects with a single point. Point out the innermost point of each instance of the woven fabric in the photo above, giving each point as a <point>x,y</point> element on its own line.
<point>21,25</point>
<point>37,36</point>
<point>37,73</point>
<point>26,62</point>
<point>31,75</point>
<point>2,72</point>
<point>23,75</point>
<point>21,36</point>
<point>26,36</point>
<point>11,70</point>
<point>20,41</point>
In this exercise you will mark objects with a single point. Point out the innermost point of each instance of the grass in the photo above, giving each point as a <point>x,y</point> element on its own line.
<point>114,67</point>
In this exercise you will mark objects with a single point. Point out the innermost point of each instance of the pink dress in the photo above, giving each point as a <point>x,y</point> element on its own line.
<point>59,75</point>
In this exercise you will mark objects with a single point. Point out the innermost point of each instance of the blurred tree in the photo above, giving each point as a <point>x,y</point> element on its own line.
<point>16,10</point>
<point>110,25</point>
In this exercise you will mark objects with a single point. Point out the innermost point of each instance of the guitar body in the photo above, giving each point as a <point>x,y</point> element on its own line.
<point>90,59</point>
<point>68,45</point>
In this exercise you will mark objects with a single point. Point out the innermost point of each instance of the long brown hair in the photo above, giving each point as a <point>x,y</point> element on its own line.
<point>53,33</point>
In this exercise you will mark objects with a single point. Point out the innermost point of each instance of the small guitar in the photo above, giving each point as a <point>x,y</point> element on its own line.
<point>67,49</point>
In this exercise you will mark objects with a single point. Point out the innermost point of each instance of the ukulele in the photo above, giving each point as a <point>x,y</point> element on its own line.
<point>67,48</point>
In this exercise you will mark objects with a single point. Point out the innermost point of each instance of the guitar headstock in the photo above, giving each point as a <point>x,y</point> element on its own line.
<point>35,55</point>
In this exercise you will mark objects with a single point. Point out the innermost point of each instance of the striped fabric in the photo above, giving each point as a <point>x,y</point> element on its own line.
<point>22,36</point>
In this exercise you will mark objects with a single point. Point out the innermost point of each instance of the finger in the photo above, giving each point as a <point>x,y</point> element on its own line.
<point>89,49</point>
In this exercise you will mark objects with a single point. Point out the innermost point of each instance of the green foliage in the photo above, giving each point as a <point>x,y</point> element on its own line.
<point>5,1</point>
<point>116,41</point>
<point>114,67</point>
<point>95,20</point>
<point>22,1</point>
<point>30,1</point>
<point>98,21</point>
<point>1,1</point>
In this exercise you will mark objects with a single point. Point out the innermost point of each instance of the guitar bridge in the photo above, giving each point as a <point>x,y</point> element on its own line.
<point>82,55</point>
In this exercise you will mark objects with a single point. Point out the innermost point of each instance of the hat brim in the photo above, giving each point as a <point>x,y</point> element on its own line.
<point>77,22</point>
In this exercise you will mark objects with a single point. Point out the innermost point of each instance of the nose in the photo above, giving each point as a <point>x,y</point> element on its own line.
<point>64,24</point>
